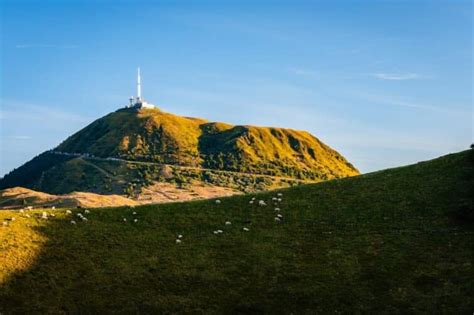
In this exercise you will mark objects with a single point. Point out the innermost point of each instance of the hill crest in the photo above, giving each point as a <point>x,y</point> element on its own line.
<point>130,148</point>
<point>156,136</point>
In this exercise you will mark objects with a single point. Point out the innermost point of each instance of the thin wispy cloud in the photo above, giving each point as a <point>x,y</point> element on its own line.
<point>20,137</point>
<point>416,106</point>
<point>56,46</point>
<point>304,72</point>
<point>394,101</point>
<point>398,76</point>
<point>31,113</point>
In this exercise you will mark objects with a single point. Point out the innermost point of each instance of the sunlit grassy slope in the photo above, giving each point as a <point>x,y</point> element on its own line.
<point>155,136</point>
<point>396,241</point>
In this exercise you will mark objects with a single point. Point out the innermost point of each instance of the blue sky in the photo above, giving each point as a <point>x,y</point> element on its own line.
<point>386,83</point>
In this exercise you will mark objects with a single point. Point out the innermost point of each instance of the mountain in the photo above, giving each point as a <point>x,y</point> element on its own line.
<point>156,136</point>
<point>133,146</point>
<point>395,241</point>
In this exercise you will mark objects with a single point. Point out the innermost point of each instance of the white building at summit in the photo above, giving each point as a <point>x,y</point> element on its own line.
<point>139,102</point>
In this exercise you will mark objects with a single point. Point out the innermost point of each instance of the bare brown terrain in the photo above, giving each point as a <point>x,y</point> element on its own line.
<point>19,197</point>
<point>165,192</point>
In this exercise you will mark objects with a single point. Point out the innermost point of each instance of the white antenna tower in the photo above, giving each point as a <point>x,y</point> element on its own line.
<point>139,87</point>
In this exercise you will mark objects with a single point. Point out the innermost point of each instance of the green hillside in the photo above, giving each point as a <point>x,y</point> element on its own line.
<point>156,136</point>
<point>395,241</point>
<point>194,148</point>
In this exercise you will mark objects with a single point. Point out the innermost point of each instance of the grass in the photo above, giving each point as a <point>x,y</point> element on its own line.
<point>396,241</point>
<point>150,135</point>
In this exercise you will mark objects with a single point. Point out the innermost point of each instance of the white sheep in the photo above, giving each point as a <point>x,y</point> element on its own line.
<point>44,215</point>
<point>21,211</point>
<point>277,219</point>
<point>220,231</point>
<point>68,212</point>
<point>218,202</point>
<point>262,203</point>
<point>86,211</point>
<point>251,202</point>
<point>246,229</point>
<point>274,198</point>
<point>12,219</point>
<point>279,199</point>
<point>27,215</point>
<point>134,213</point>
<point>279,194</point>
<point>73,222</point>
<point>178,241</point>
<point>135,221</point>
<point>228,223</point>
<point>215,232</point>
<point>5,223</point>
<point>280,216</point>
<point>180,236</point>
<point>124,219</point>
<point>277,209</point>
<point>53,208</point>
<point>253,198</point>
<point>83,218</point>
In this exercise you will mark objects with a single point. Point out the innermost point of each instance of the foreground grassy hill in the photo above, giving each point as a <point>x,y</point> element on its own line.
<point>395,241</point>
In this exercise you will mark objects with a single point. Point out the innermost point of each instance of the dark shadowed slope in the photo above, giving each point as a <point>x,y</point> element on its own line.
<point>395,241</point>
